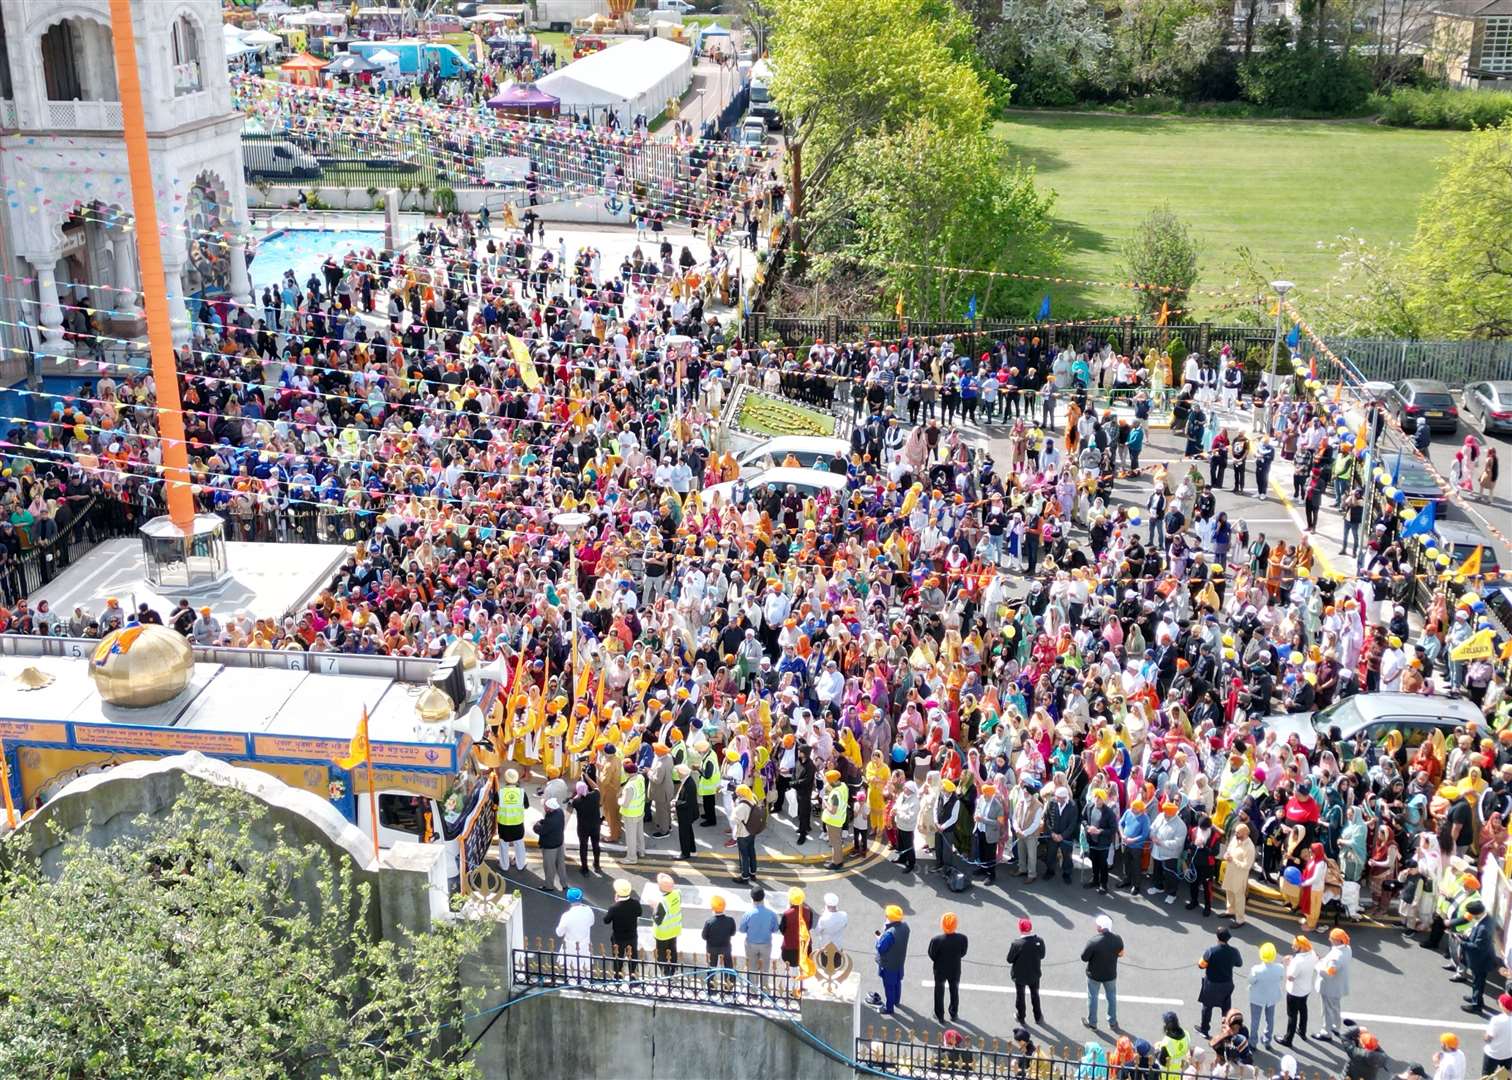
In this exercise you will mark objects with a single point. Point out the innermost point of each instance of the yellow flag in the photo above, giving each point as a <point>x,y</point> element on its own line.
<point>806,966</point>
<point>580,693</point>
<point>1478,646</point>
<point>598,698</point>
<point>359,753</point>
<point>1470,567</point>
<point>528,374</point>
<point>1165,314</point>
<point>899,306</point>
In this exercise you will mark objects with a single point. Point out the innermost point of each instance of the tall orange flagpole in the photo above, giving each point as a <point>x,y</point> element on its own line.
<point>154,282</point>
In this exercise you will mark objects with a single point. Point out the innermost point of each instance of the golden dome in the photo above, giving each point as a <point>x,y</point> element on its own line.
<point>434,705</point>
<point>466,650</point>
<point>141,666</point>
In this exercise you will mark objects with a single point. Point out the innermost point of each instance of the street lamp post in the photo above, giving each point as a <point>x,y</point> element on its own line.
<point>1282,288</point>
<point>571,523</point>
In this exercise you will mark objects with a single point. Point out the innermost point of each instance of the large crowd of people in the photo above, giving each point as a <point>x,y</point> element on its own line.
<point>991,665</point>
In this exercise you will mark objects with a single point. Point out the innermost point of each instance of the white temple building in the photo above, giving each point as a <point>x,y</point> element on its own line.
<point>66,241</point>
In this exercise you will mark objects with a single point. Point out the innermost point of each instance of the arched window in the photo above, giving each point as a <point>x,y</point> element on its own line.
<point>7,91</point>
<point>78,63</point>
<point>63,62</point>
<point>187,59</point>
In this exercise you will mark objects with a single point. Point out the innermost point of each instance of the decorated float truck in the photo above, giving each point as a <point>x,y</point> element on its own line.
<point>69,708</point>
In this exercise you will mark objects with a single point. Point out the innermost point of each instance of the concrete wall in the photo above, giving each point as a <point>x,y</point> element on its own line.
<point>554,1034</point>
<point>101,808</point>
<point>576,1033</point>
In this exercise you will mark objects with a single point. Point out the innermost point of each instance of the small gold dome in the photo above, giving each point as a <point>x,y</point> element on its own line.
<point>434,705</point>
<point>141,665</point>
<point>31,678</point>
<point>466,650</point>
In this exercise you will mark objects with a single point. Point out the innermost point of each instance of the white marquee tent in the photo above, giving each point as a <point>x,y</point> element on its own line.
<point>635,78</point>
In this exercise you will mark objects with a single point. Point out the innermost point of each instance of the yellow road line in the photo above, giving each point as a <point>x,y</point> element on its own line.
<point>1320,555</point>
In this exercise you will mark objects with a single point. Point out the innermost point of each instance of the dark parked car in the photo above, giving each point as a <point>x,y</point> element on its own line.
<point>1460,540</point>
<point>1488,405</point>
<point>1415,481</point>
<point>1414,398</point>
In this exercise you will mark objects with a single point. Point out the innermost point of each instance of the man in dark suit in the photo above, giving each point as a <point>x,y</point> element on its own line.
<point>1026,956</point>
<point>1062,823</point>
<point>946,951</point>
<point>687,809</point>
<point>1479,952</point>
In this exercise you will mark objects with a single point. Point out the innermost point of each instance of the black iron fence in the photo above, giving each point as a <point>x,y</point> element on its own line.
<point>1453,362</point>
<point>103,517</point>
<point>638,974</point>
<point>42,560</point>
<point>1380,360</point>
<point>1124,335</point>
<point>957,1057</point>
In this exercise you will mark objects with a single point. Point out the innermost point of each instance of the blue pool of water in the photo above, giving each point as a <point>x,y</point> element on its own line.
<point>304,250</point>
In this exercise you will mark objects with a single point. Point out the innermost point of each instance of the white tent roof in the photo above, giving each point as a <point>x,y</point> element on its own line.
<point>259,38</point>
<point>644,74</point>
<point>383,56</point>
<point>232,33</point>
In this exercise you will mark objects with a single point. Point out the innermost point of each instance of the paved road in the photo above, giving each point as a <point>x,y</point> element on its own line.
<point>1399,990</point>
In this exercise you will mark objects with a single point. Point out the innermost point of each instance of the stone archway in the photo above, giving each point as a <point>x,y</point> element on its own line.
<point>208,229</point>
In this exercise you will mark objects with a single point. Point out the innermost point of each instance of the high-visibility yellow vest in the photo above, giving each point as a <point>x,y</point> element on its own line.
<point>1176,1054</point>
<point>1448,891</point>
<point>634,804</point>
<point>671,924</point>
<point>1460,919</point>
<point>511,806</point>
<point>834,806</point>
<point>708,775</point>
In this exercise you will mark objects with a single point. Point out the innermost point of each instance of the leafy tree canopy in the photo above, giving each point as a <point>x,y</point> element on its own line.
<point>1460,265</point>
<point>187,951</point>
<point>1161,251</point>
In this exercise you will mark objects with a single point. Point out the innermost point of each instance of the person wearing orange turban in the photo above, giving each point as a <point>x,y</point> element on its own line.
<point>946,951</point>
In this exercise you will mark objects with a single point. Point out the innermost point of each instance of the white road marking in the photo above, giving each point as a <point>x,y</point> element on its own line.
<point>1079,995</point>
<point>1414,1021</point>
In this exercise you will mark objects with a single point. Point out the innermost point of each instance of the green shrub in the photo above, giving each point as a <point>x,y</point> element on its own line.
<point>1456,110</point>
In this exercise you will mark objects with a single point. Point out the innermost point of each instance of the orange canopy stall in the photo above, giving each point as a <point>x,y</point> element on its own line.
<point>303,69</point>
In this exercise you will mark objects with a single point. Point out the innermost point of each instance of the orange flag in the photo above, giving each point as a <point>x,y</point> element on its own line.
<point>360,753</point>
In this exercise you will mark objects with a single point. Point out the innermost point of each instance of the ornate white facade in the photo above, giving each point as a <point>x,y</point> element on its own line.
<point>66,236</point>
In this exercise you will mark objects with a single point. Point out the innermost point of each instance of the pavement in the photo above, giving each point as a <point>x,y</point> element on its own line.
<point>1158,972</point>
<point>710,91</point>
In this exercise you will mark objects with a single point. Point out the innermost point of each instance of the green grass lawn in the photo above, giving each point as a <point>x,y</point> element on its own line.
<point>1280,188</point>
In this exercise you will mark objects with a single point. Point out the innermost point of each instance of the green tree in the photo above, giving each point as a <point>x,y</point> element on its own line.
<point>1162,252</point>
<point>1053,51</point>
<point>188,952</point>
<point>1162,45</point>
<point>1461,258</point>
<point>1305,76</point>
<point>844,72</point>
<point>907,203</point>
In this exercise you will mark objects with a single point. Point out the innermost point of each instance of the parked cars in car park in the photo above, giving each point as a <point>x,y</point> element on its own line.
<point>1488,405</point>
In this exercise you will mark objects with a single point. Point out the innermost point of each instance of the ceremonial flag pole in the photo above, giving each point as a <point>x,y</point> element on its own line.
<point>361,753</point>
